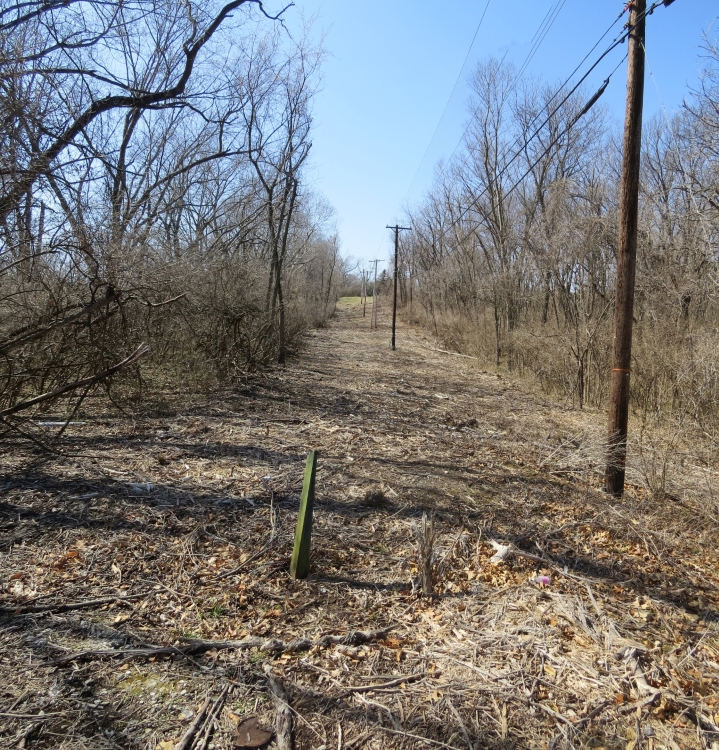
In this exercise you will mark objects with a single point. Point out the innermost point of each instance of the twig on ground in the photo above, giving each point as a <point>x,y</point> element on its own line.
<point>461,723</point>
<point>353,638</point>
<point>283,721</point>
<point>383,685</point>
<point>23,610</point>
<point>186,742</point>
<point>211,719</point>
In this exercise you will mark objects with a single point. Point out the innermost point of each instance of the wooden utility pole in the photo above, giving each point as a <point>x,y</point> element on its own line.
<point>627,255</point>
<point>363,295</point>
<point>373,318</point>
<point>396,229</point>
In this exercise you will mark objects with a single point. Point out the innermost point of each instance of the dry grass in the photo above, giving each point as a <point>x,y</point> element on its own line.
<point>194,509</point>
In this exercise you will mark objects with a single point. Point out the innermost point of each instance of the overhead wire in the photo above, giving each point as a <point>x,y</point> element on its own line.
<point>539,35</point>
<point>573,122</point>
<point>556,93</point>
<point>444,111</point>
<point>533,51</point>
<point>449,99</point>
<point>474,201</point>
<point>619,39</point>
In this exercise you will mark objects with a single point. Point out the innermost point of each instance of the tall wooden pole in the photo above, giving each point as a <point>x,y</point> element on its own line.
<point>373,318</point>
<point>627,255</point>
<point>363,298</point>
<point>396,229</point>
<point>394,297</point>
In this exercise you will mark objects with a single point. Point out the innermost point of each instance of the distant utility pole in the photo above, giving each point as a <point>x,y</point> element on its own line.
<point>363,295</point>
<point>396,229</point>
<point>627,255</point>
<point>373,318</point>
<point>365,281</point>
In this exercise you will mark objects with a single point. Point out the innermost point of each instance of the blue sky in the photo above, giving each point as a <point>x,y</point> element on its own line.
<point>392,65</point>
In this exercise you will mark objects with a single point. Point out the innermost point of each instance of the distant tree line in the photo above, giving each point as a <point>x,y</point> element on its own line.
<point>513,251</point>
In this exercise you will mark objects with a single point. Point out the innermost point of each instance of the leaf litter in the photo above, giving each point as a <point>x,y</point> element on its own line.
<point>145,587</point>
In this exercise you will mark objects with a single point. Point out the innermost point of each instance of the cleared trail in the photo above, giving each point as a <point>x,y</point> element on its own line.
<point>186,516</point>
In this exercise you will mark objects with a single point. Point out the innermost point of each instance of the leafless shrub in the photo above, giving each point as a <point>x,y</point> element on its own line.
<point>512,256</point>
<point>375,498</point>
<point>181,218</point>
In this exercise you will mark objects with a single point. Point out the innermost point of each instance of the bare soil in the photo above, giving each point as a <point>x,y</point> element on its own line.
<point>600,629</point>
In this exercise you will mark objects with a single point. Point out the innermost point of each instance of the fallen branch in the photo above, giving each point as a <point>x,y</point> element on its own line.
<point>454,354</point>
<point>592,714</point>
<point>552,713</point>
<point>186,742</point>
<point>383,685</point>
<point>21,339</point>
<point>212,715</point>
<point>283,720</point>
<point>30,717</point>
<point>702,721</point>
<point>164,302</point>
<point>353,638</point>
<point>139,352</point>
<point>20,610</point>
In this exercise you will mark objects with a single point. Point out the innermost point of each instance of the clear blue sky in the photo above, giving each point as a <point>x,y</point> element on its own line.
<point>393,63</point>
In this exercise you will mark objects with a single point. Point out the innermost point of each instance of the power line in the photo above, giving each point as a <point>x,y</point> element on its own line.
<point>574,121</point>
<point>449,99</point>
<point>554,141</point>
<point>518,153</point>
<point>541,32</point>
<point>533,50</point>
<point>619,39</point>
<point>530,55</point>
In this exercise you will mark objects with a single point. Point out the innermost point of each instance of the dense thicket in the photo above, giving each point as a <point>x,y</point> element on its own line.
<point>151,190</point>
<point>513,252</point>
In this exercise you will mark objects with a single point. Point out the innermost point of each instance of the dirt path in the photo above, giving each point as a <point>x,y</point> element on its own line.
<point>188,513</point>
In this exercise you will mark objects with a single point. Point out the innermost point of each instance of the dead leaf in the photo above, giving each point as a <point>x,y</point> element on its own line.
<point>250,734</point>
